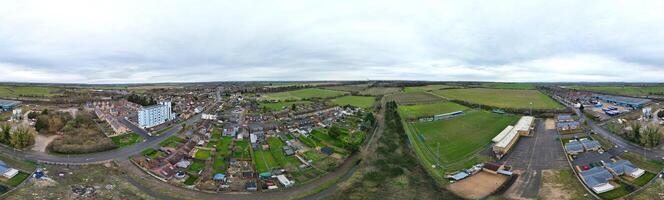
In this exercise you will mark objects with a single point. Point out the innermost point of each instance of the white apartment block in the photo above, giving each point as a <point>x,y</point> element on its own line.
<point>154,115</point>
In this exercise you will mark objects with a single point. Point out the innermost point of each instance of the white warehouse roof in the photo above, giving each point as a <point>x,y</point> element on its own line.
<point>502,134</point>
<point>524,123</point>
<point>505,141</point>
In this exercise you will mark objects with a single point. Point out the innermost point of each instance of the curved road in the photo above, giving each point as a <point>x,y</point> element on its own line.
<point>115,154</point>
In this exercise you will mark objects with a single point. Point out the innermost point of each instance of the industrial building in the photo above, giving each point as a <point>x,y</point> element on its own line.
<point>634,103</point>
<point>510,135</point>
<point>154,115</point>
<point>8,105</point>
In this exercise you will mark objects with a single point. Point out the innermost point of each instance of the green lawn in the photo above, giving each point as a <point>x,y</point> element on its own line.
<point>17,91</point>
<point>242,150</point>
<point>202,154</point>
<point>191,180</point>
<point>620,191</point>
<point>127,139</point>
<point>428,88</point>
<point>522,86</point>
<point>171,141</point>
<point>282,104</point>
<point>460,137</point>
<point>317,134</point>
<point>357,101</point>
<point>223,145</point>
<point>423,110</point>
<point>503,98</point>
<point>277,152</point>
<point>644,179</point>
<point>264,161</point>
<point>196,166</point>
<point>313,155</point>
<point>302,94</point>
<point>219,164</point>
<point>18,179</point>
<point>309,142</point>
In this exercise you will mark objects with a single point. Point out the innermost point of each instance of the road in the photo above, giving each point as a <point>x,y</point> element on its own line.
<point>115,154</point>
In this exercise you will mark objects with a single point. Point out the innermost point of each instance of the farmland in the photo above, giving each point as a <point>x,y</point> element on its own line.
<point>427,88</point>
<point>377,91</point>
<point>624,90</point>
<point>348,88</point>
<point>502,98</point>
<point>413,98</point>
<point>29,91</point>
<point>519,86</point>
<point>282,104</point>
<point>357,101</point>
<point>458,138</point>
<point>302,94</point>
<point>421,110</point>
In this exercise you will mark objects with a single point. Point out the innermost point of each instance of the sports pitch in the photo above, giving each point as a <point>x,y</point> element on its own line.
<point>503,98</point>
<point>302,94</point>
<point>423,110</point>
<point>457,140</point>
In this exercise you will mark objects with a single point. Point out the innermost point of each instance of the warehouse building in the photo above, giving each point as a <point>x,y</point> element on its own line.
<point>634,103</point>
<point>8,105</point>
<point>506,139</point>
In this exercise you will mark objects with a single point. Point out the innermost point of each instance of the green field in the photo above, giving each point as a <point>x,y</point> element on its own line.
<point>624,90</point>
<point>18,179</point>
<point>202,154</point>
<point>422,110</point>
<point>460,139</point>
<point>282,104</point>
<point>644,179</point>
<point>325,138</point>
<point>302,94</point>
<point>503,98</point>
<point>357,101</point>
<point>277,152</point>
<point>31,91</point>
<point>622,190</point>
<point>242,149</point>
<point>377,91</point>
<point>413,98</point>
<point>264,161</point>
<point>428,88</point>
<point>196,166</point>
<point>127,139</point>
<point>520,86</point>
<point>223,145</point>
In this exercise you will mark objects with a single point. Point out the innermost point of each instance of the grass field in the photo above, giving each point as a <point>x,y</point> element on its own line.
<point>459,139</point>
<point>196,166</point>
<point>37,91</point>
<point>302,94</point>
<point>413,98</point>
<point>377,91</point>
<point>264,161</point>
<point>521,86</point>
<point>282,104</point>
<point>202,154</point>
<point>219,164</point>
<point>357,101</point>
<point>223,145</point>
<point>623,90</point>
<point>242,150</point>
<point>325,138</point>
<point>427,88</point>
<point>348,88</point>
<point>276,149</point>
<point>127,139</point>
<point>503,98</point>
<point>422,110</point>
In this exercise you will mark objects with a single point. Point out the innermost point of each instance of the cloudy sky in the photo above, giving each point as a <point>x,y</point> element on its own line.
<point>190,41</point>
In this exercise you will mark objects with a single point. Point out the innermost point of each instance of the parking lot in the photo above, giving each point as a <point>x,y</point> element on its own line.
<point>531,155</point>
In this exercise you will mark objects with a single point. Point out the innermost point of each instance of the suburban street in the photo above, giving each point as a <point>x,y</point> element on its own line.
<point>115,154</point>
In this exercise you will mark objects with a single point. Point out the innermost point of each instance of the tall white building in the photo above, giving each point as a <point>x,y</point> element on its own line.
<point>154,115</point>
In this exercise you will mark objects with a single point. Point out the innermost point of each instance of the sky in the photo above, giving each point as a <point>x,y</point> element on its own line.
<point>198,41</point>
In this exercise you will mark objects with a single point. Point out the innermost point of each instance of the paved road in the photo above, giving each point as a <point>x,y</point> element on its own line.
<point>142,132</point>
<point>116,154</point>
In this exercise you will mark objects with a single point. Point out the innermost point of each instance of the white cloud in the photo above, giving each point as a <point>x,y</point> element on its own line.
<point>162,41</point>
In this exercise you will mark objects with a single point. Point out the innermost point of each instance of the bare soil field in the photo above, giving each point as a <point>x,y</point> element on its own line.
<point>413,98</point>
<point>477,186</point>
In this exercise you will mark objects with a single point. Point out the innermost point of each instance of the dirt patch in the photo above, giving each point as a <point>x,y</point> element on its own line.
<point>550,124</point>
<point>42,141</point>
<point>478,185</point>
<point>560,185</point>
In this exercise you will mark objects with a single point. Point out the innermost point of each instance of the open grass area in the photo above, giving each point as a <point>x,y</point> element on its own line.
<point>282,104</point>
<point>349,88</point>
<point>423,110</point>
<point>223,145</point>
<point>196,166</point>
<point>242,150</point>
<point>427,88</point>
<point>302,94</point>
<point>313,155</point>
<point>309,142</point>
<point>264,161</point>
<point>202,154</point>
<point>357,101</point>
<point>28,91</point>
<point>171,141</point>
<point>413,98</point>
<point>219,164</point>
<point>325,138</point>
<point>276,146</point>
<point>191,180</point>
<point>622,190</point>
<point>127,139</point>
<point>503,98</point>
<point>458,139</point>
<point>624,90</point>
<point>521,86</point>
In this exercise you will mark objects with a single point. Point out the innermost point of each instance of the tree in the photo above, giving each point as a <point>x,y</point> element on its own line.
<point>652,136</point>
<point>42,123</point>
<point>45,111</point>
<point>335,131</point>
<point>22,137</point>
<point>5,132</point>
<point>636,132</point>
<point>581,107</point>
<point>32,115</point>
